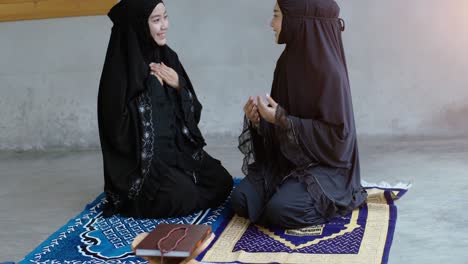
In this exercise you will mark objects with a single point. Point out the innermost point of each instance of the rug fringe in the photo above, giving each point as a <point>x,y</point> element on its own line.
<point>386,185</point>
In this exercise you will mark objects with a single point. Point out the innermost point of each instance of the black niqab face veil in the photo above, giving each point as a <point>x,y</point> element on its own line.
<point>311,79</point>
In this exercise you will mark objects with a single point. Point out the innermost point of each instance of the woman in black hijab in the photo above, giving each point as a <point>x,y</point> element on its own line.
<point>301,154</point>
<point>148,113</point>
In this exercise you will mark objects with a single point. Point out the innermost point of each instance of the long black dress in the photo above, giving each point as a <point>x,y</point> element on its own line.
<point>304,170</point>
<point>154,162</point>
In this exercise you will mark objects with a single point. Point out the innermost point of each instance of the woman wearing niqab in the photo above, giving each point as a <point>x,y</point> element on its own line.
<point>301,154</point>
<point>148,114</point>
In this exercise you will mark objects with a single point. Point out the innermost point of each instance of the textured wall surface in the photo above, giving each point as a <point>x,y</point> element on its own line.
<point>408,64</point>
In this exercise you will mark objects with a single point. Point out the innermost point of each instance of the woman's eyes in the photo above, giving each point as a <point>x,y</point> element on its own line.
<point>158,19</point>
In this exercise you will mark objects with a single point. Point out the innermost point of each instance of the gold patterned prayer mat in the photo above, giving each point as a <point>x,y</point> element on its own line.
<point>364,236</point>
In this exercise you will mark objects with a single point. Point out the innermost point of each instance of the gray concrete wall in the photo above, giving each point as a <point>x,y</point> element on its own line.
<point>408,64</point>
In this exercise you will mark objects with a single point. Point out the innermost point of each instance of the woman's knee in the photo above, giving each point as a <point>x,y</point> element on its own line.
<point>247,200</point>
<point>275,212</point>
<point>243,195</point>
<point>239,202</point>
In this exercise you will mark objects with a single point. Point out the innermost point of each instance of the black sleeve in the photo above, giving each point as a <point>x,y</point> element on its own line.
<point>305,141</point>
<point>191,107</point>
<point>251,144</point>
<point>288,139</point>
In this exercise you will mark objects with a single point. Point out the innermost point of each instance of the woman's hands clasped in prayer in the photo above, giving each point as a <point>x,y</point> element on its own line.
<point>251,111</point>
<point>255,111</point>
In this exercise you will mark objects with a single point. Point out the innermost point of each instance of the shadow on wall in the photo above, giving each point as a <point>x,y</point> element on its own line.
<point>449,121</point>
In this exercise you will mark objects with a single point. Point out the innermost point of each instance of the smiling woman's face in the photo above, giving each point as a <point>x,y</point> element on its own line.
<point>158,23</point>
<point>277,21</point>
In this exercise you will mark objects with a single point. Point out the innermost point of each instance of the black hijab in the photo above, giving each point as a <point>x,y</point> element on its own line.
<point>313,66</point>
<point>123,86</point>
<point>311,80</point>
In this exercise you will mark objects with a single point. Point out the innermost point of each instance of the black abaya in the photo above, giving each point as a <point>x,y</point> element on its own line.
<point>313,141</point>
<point>154,162</point>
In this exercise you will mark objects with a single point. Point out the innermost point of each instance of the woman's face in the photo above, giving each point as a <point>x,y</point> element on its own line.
<point>159,24</point>
<point>276,21</point>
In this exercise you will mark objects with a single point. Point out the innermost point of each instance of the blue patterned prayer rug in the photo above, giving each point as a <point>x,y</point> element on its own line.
<point>91,238</point>
<point>364,236</point>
